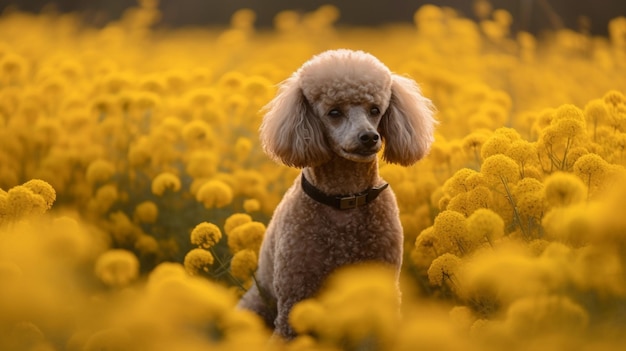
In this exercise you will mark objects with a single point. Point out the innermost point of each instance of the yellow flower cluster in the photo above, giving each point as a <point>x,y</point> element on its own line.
<point>145,141</point>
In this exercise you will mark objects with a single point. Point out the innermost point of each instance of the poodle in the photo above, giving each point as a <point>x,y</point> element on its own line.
<point>331,118</point>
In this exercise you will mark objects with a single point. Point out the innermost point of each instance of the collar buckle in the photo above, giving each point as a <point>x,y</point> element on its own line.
<point>348,202</point>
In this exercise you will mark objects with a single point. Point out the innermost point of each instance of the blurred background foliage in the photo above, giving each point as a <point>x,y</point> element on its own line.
<point>134,194</point>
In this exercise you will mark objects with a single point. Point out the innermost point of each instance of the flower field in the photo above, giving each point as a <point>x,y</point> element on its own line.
<point>134,193</point>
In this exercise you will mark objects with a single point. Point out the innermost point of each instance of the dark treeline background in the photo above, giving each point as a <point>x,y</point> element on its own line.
<point>530,15</point>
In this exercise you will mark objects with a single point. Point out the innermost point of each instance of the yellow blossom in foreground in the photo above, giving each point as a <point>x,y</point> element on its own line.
<point>564,189</point>
<point>117,268</point>
<point>570,224</point>
<point>343,315</point>
<point>206,235</point>
<point>545,315</point>
<point>306,316</point>
<point>165,182</point>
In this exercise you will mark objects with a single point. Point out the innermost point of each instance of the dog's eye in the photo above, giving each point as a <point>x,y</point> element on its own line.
<point>374,111</point>
<point>334,112</point>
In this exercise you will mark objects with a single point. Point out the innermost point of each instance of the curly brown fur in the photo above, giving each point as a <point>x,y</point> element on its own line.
<point>331,117</point>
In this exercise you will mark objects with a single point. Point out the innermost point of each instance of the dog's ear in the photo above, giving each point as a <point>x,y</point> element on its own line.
<point>407,128</point>
<point>290,131</point>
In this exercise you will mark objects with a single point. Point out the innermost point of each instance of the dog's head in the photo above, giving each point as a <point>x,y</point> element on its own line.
<point>348,103</point>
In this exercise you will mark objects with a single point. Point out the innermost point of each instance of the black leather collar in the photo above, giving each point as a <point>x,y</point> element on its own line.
<point>342,202</point>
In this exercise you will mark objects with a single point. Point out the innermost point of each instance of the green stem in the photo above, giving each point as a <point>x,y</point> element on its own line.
<point>567,146</point>
<point>512,203</point>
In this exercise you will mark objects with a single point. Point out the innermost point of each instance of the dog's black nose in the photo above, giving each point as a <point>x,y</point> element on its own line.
<point>369,139</point>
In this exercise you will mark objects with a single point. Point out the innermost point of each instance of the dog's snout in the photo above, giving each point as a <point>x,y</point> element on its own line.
<point>369,139</point>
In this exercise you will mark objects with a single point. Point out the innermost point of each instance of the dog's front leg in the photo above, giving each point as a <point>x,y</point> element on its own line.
<point>294,280</point>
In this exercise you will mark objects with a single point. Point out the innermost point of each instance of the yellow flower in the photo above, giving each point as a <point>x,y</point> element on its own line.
<point>243,146</point>
<point>473,143</point>
<point>545,315</point>
<point>427,248</point>
<point>22,201</point>
<point>527,186</point>
<point>243,264</point>
<point>500,168</point>
<point>122,229</point>
<point>108,339</point>
<point>450,226</point>
<point>43,189</point>
<point>249,182</point>
<point>4,206</point>
<point>13,68</point>
<point>522,152</point>
<point>591,169</point>
<point>246,236</point>
<point>307,316</point>
<point>531,205</point>
<point>202,164</point>
<point>347,317</point>
<point>563,189</point>
<point>596,114</point>
<point>140,153</point>
<point>235,220</point>
<point>569,128</point>
<point>198,261</point>
<point>232,81</point>
<point>484,224</point>
<point>429,20</point>
<point>258,87</point>
<point>201,97</point>
<point>479,197</point>
<point>146,212</point>
<point>165,182</point>
<point>251,205</point>
<point>571,225</point>
<point>146,245</point>
<point>106,196</point>
<point>591,267</point>
<point>206,235</point>
<point>614,98</point>
<point>117,268</point>
<point>457,183</point>
<point>509,133</point>
<point>496,144</point>
<point>100,171</point>
<point>443,269</point>
<point>198,134</point>
<point>215,193</point>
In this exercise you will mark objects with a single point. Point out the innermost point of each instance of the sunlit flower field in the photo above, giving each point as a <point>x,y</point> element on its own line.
<point>134,194</point>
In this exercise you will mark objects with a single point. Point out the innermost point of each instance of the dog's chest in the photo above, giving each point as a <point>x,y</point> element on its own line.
<point>354,235</point>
